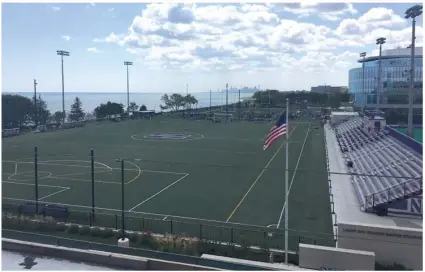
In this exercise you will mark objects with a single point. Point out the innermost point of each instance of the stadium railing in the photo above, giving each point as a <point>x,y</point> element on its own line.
<point>400,191</point>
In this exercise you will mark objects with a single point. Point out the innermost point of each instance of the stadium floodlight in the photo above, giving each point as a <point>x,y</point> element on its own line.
<point>62,54</point>
<point>127,63</point>
<point>412,12</point>
<point>380,42</point>
<point>363,55</point>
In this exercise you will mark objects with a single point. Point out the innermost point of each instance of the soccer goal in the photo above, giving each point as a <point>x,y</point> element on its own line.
<point>222,117</point>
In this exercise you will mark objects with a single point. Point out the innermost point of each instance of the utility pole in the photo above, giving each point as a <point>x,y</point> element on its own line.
<point>210,102</point>
<point>35,103</point>
<point>127,63</point>
<point>379,41</point>
<point>412,12</point>
<point>62,54</point>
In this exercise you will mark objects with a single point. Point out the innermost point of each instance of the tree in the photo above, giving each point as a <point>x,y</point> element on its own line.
<point>16,110</point>
<point>57,117</point>
<point>133,107</point>
<point>77,113</point>
<point>109,108</point>
<point>188,101</point>
<point>143,108</point>
<point>173,102</point>
<point>42,112</point>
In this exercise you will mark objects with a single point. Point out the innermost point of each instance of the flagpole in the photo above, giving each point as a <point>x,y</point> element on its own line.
<point>286,181</point>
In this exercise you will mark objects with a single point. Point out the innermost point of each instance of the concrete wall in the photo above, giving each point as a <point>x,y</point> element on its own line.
<point>121,261</point>
<point>321,257</point>
<point>390,244</point>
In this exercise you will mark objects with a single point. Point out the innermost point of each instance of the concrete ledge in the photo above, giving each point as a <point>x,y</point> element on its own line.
<point>262,265</point>
<point>116,260</point>
<point>319,257</point>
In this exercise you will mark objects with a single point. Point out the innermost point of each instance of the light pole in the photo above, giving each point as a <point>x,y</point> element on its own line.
<point>363,55</point>
<point>379,41</point>
<point>35,103</point>
<point>412,12</point>
<point>63,53</point>
<point>127,63</point>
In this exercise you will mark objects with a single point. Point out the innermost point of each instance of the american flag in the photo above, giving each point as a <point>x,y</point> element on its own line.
<point>279,129</point>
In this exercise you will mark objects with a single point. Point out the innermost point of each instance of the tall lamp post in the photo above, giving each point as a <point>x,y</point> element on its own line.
<point>35,103</point>
<point>127,63</point>
<point>412,12</point>
<point>379,41</point>
<point>363,55</point>
<point>62,54</point>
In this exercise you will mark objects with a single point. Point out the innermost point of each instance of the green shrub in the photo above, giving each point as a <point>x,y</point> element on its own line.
<point>117,233</point>
<point>95,232</point>
<point>84,230</point>
<point>107,233</point>
<point>60,226</point>
<point>132,237</point>
<point>148,241</point>
<point>73,228</point>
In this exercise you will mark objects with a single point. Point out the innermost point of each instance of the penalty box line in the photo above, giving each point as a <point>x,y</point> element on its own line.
<point>63,189</point>
<point>109,168</point>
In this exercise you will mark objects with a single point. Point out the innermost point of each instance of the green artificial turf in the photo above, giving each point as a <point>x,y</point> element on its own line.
<point>214,176</point>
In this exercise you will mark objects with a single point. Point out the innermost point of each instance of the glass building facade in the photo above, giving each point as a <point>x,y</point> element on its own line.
<point>395,78</point>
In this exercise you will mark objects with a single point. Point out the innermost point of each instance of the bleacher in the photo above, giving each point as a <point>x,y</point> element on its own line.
<point>383,155</point>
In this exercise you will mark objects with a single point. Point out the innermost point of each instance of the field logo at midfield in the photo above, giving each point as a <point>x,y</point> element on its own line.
<point>167,136</point>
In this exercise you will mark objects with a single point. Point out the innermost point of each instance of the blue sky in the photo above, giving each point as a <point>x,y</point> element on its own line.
<point>279,46</point>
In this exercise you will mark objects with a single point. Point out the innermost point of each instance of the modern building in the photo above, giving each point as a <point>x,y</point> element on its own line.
<point>395,76</point>
<point>326,89</point>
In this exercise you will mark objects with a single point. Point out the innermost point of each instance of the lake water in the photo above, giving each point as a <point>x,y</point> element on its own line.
<point>150,100</point>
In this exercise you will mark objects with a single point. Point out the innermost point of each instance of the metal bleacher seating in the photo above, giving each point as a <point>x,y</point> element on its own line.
<point>384,159</point>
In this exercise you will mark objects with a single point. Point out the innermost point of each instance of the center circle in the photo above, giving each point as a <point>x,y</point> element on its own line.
<point>28,176</point>
<point>167,136</point>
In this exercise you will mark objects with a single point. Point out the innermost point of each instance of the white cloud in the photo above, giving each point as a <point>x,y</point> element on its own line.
<point>66,38</point>
<point>373,19</point>
<point>94,50</point>
<point>56,8</point>
<point>252,37</point>
<point>326,11</point>
<point>111,9</point>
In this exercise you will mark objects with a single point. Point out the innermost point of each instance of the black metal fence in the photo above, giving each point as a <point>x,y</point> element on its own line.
<point>244,235</point>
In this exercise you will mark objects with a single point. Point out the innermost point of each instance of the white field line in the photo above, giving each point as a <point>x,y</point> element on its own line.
<point>85,180</point>
<point>164,218</point>
<point>142,213</point>
<point>81,173</point>
<point>109,168</point>
<point>138,174</point>
<point>40,185</point>
<point>59,164</point>
<point>257,179</point>
<point>154,195</point>
<point>293,176</point>
<point>52,194</point>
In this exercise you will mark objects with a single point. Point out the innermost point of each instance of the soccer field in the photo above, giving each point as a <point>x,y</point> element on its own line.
<point>186,172</point>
